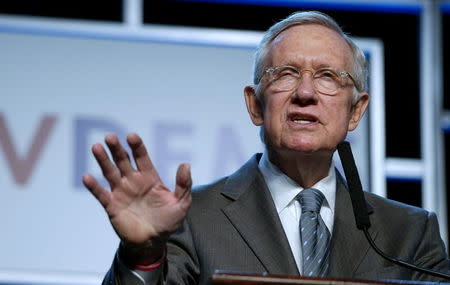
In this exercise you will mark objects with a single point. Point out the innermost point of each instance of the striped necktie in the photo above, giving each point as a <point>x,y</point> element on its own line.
<point>314,234</point>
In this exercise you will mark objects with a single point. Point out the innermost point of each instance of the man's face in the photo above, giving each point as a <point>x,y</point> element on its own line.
<point>304,120</point>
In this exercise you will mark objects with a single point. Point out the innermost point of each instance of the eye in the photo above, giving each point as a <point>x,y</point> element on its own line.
<point>326,74</point>
<point>286,72</point>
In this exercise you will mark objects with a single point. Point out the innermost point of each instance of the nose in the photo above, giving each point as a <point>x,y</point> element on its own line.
<point>305,92</point>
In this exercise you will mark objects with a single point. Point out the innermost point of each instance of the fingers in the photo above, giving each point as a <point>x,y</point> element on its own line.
<point>102,195</point>
<point>140,154</point>
<point>183,181</point>
<point>109,170</point>
<point>120,156</point>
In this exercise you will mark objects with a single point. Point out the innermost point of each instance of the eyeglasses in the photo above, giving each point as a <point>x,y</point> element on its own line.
<point>325,80</point>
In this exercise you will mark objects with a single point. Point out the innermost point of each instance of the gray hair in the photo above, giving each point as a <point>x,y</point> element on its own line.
<point>311,17</point>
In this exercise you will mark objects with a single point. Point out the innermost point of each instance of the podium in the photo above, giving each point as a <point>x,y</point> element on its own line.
<point>234,278</point>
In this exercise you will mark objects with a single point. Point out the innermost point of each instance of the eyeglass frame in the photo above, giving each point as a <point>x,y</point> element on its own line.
<point>340,73</point>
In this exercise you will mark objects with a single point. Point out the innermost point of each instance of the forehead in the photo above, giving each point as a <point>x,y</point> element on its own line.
<point>310,44</point>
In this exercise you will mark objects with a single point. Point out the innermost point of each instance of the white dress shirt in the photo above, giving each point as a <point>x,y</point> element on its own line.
<point>283,190</point>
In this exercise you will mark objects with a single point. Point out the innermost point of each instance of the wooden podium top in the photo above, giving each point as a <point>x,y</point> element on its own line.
<point>223,278</point>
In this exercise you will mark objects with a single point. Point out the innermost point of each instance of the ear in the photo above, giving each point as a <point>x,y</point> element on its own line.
<point>358,111</point>
<point>254,106</point>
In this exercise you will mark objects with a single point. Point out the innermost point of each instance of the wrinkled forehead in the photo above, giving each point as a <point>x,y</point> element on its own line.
<point>310,44</point>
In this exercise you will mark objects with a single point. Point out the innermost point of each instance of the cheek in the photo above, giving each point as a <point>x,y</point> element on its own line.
<point>338,114</point>
<point>273,112</point>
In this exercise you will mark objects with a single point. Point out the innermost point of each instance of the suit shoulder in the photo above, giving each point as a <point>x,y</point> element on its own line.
<point>390,207</point>
<point>208,191</point>
<point>231,186</point>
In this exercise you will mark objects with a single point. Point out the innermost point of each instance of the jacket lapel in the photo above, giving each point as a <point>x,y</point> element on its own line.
<point>349,245</point>
<point>254,216</point>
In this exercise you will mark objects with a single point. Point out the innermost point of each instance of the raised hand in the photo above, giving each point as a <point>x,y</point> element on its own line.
<point>142,211</point>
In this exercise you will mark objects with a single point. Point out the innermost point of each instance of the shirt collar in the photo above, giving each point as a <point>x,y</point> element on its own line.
<point>283,189</point>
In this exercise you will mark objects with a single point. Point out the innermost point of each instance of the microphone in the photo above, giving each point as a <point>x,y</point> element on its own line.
<point>360,208</point>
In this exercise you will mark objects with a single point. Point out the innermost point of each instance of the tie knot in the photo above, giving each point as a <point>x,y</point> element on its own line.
<point>311,200</point>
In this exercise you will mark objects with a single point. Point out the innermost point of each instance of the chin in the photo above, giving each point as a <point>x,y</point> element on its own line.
<point>305,150</point>
<point>302,148</point>
<point>308,147</point>
<point>303,144</point>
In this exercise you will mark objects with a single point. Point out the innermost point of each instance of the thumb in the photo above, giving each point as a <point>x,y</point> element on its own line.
<point>183,180</point>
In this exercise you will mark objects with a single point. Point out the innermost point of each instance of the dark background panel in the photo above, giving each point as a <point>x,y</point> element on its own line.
<point>104,10</point>
<point>405,191</point>
<point>447,176</point>
<point>446,56</point>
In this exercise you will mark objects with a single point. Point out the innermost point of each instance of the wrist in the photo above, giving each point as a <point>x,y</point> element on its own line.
<point>154,265</point>
<point>150,252</point>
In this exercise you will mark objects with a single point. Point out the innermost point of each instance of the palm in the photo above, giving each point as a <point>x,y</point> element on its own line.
<point>139,206</point>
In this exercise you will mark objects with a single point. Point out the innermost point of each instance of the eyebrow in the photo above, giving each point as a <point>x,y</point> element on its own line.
<point>316,64</point>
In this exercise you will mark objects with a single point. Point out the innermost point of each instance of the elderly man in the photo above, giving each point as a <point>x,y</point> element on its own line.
<point>286,211</point>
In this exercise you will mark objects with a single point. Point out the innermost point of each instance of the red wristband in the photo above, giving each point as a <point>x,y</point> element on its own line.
<point>154,265</point>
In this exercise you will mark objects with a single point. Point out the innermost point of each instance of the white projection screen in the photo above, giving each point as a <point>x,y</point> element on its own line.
<point>64,87</point>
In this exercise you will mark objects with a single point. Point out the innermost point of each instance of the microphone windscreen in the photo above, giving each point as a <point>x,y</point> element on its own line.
<point>354,185</point>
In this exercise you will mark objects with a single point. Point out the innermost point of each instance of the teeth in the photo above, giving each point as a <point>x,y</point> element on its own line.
<point>302,121</point>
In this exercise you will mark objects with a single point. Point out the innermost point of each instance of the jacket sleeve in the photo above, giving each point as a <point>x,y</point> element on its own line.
<point>181,266</point>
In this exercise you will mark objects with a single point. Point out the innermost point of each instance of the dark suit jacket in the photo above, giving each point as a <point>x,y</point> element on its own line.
<point>233,225</point>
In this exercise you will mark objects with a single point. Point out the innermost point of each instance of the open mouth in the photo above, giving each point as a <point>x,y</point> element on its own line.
<point>302,119</point>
